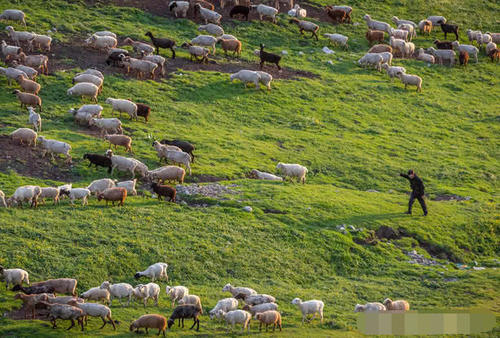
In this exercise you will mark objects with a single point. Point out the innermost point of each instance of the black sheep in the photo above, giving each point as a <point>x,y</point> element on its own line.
<point>36,289</point>
<point>240,10</point>
<point>143,110</point>
<point>184,145</point>
<point>98,160</point>
<point>115,58</point>
<point>164,190</point>
<point>162,43</point>
<point>269,57</point>
<point>182,312</point>
<point>443,44</point>
<point>448,28</point>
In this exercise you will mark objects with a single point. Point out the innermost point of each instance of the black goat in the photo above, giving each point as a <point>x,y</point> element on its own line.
<point>164,190</point>
<point>240,10</point>
<point>185,312</point>
<point>448,28</point>
<point>443,44</point>
<point>184,145</point>
<point>115,58</point>
<point>98,160</point>
<point>269,57</point>
<point>162,43</point>
<point>35,289</point>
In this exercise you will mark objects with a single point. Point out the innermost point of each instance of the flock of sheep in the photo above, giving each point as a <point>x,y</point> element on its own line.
<point>262,307</point>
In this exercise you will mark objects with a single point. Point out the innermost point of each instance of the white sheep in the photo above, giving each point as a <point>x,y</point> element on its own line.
<point>398,44</point>
<point>50,192</point>
<point>119,290</point>
<point>442,55</point>
<point>102,42</point>
<point>409,49</point>
<point>212,29</point>
<point>413,80</point>
<point>238,290</point>
<point>247,76</point>
<point>84,89</point>
<point>122,163</point>
<point>3,204</point>
<point>297,12</point>
<point>386,57</point>
<point>266,11</point>
<point>206,41</point>
<point>485,39</point>
<point>495,37</point>
<point>393,71</point>
<point>93,72</point>
<point>337,39</point>
<point>259,175</point>
<point>154,271</point>
<point>472,50</point>
<point>29,71</point>
<point>123,106</point>
<point>139,66</point>
<point>96,310</point>
<point>370,307</point>
<point>398,22</point>
<point>208,15</point>
<point>145,292</point>
<point>55,147</point>
<point>14,15</point>
<point>83,114</point>
<point>179,8</point>
<point>179,157</point>
<point>176,293</point>
<point>96,293</point>
<point>105,33</point>
<point>42,42</point>
<point>425,26</point>
<point>265,79</point>
<point>158,59</point>
<point>236,317</point>
<point>226,305</point>
<point>167,173</point>
<point>412,33</point>
<point>11,73</point>
<point>78,194</point>
<point>27,193</point>
<point>258,299</point>
<point>139,47</point>
<point>471,35</point>
<point>489,47</point>
<point>89,78</point>
<point>191,300</point>
<point>310,307</point>
<point>14,277</point>
<point>20,36</point>
<point>293,170</point>
<point>399,34</point>
<point>396,305</point>
<point>129,185</point>
<point>35,119</point>
<point>436,20</point>
<point>107,125</point>
<point>9,51</point>
<point>422,56</point>
<point>254,309</point>
<point>377,25</point>
<point>22,135</point>
<point>98,186</point>
<point>372,59</point>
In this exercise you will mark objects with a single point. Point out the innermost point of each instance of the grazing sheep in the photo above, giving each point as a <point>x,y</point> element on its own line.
<point>101,42</point>
<point>22,135</point>
<point>123,106</point>
<point>176,293</point>
<point>27,85</point>
<point>206,41</point>
<point>30,302</point>
<point>393,71</point>
<point>207,14</point>
<point>472,35</point>
<point>198,53</point>
<point>413,80</point>
<point>32,290</point>
<point>84,89</point>
<point>64,311</point>
<point>129,186</point>
<point>59,285</point>
<point>269,317</point>
<point>54,147</point>
<point>115,57</point>
<point>139,47</point>
<point>30,72</point>
<point>139,66</point>
<point>425,26</point>
<point>306,26</point>
<point>13,276</point>
<point>212,29</point>
<point>337,39</point>
<point>471,50</point>
<point>92,110</point>
<point>260,308</point>
<point>398,22</point>
<point>182,312</point>
<point>35,119</point>
<point>425,57</point>
<point>96,294</point>
<point>225,305</point>
<point>247,76</point>
<point>77,194</point>
<point>447,28</point>
<point>370,307</point>
<point>162,43</point>
<point>484,39</point>
<point>184,145</point>
<point>95,310</point>
<point>36,61</point>
<point>398,45</point>
<point>167,173</point>
<point>412,33</point>
<point>381,48</point>
<point>231,45</point>
<point>179,8</point>
<point>119,140</point>
<point>159,60</point>
<point>20,36</point>
<point>463,58</point>
<point>310,307</point>
<point>256,299</point>
<point>495,37</point>
<point>489,47</point>
<point>13,15</point>
<point>49,192</point>
<point>265,79</point>
<point>98,186</point>
<point>265,11</point>
<point>376,25</point>
<point>93,72</point>
<point>443,44</point>
<point>106,125</point>
<point>150,322</point>
<point>10,51</point>
<point>374,35</point>
<point>243,11</point>
<point>236,317</point>
<point>164,190</point>
<point>154,271</point>
<point>191,300</point>
<point>11,73</point>
<point>122,163</point>
<point>259,175</point>
<point>42,42</point>
<point>145,292</point>
<point>89,78</point>
<point>239,290</point>
<point>64,299</point>
<point>28,100</point>
<point>399,34</point>
<point>436,20</point>
<point>372,59</point>
<point>442,55</point>
<point>98,160</point>
<point>179,157</point>
<point>120,290</point>
<point>113,194</point>
<point>27,193</point>
<point>397,305</point>
<point>105,33</point>
<point>494,54</point>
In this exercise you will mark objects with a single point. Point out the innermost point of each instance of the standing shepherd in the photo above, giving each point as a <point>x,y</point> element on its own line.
<point>417,191</point>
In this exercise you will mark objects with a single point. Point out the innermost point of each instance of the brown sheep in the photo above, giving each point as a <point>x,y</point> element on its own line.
<point>397,305</point>
<point>269,317</point>
<point>113,194</point>
<point>164,190</point>
<point>63,311</point>
<point>463,58</point>
<point>28,100</point>
<point>59,285</point>
<point>150,322</point>
<point>374,35</point>
<point>381,48</point>
<point>231,45</point>
<point>119,140</point>
<point>494,54</point>
<point>35,61</point>
<point>426,27</point>
<point>443,44</point>
<point>337,15</point>
<point>28,85</point>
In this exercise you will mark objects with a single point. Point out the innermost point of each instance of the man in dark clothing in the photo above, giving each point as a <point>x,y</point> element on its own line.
<point>417,191</point>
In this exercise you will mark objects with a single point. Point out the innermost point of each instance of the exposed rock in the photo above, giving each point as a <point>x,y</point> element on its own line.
<point>248,208</point>
<point>387,232</point>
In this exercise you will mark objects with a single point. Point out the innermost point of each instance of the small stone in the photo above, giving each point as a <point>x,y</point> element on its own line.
<point>352,227</point>
<point>248,208</point>
<point>184,203</point>
<point>330,62</point>
<point>301,53</point>
<point>284,52</point>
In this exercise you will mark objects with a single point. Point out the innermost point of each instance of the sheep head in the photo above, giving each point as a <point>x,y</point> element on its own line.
<point>358,308</point>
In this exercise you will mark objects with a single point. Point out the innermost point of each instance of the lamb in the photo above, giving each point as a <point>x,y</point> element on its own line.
<point>59,285</point>
<point>397,305</point>
<point>269,317</point>
<point>55,147</point>
<point>10,51</point>
<point>35,119</point>
<point>237,317</point>
<point>27,85</point>
<point>447,28</point>
<point>184,145</point>
<point>380,48</point>
<point>212,29</point>
<point>231,45</point>
<point>139,66</point>
<point>95,310</point>
<point>256,299</point>
<point>377,25</point>
<point>50,192</point>
<point>191,300</point>
<point>155,271</point>
<point>89,78</point>
<point>27,193</point>
<point>463,58</point>
<point>247,76</point>
<point>225,305</point>
<point>42,42</point>
<point>120,290</point>
<point>306,26</point>
<point>20,36</point>
<point>168,173</point>
<point>413,80</point>
<point>162,43</point>
<point>207,14</point>
<point>30,302</point>
<point>98,186</point>
<point>239,290</point>
<point>398,34</point>
<point>13,15</point>
<point>96,294</point>
<point>120,140</point>
<point>28,100</point>
<point>472,35</point>
<point>369,307</point>
<point>337,15</point>
<point>113,194</point>
<point>77,194</point>
<point>268,57</point>
<point>443,44</point>
<point>123,106</point>
<point>399,45</point>
<point>101,42</point>
<point>425,26</point>
<point>179,157</point>
<point>22,135</point>
<point>86,112</point>
<point>14,276</point>
<point>3,204</point>
<point>260,308</point>
<point>182,312</point>
<point>84,89</point>
<point>374,35</point>
<point>176,293</point>
<point>106,125</point>
<point>37,61</point>
<point>337,39</point>
<point>63,311</point>
<point>139,46</point>
<point>472,50</point>
<point>393,71</point>
<point>143,110</point>
<point>441,55</point>
<point>98,160</point>
<point>164,190</point>
<point>179,8</point>
<point>206,41</point>
<point>425,57</point>
<point>150,322</point>
<point>309,307</point>
<point>129,186</point>
<point>144,292</point>
<point>30,72</point>
<point>412,33</point>
<point>265,11</point>
<point>240,10</point>
<point>196,51</point>
<point>122,163</point>
<point>372,59</point>
<point>259,175</point>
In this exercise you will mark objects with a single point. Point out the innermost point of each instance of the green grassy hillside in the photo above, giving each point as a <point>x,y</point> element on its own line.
<point>353,128</point>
